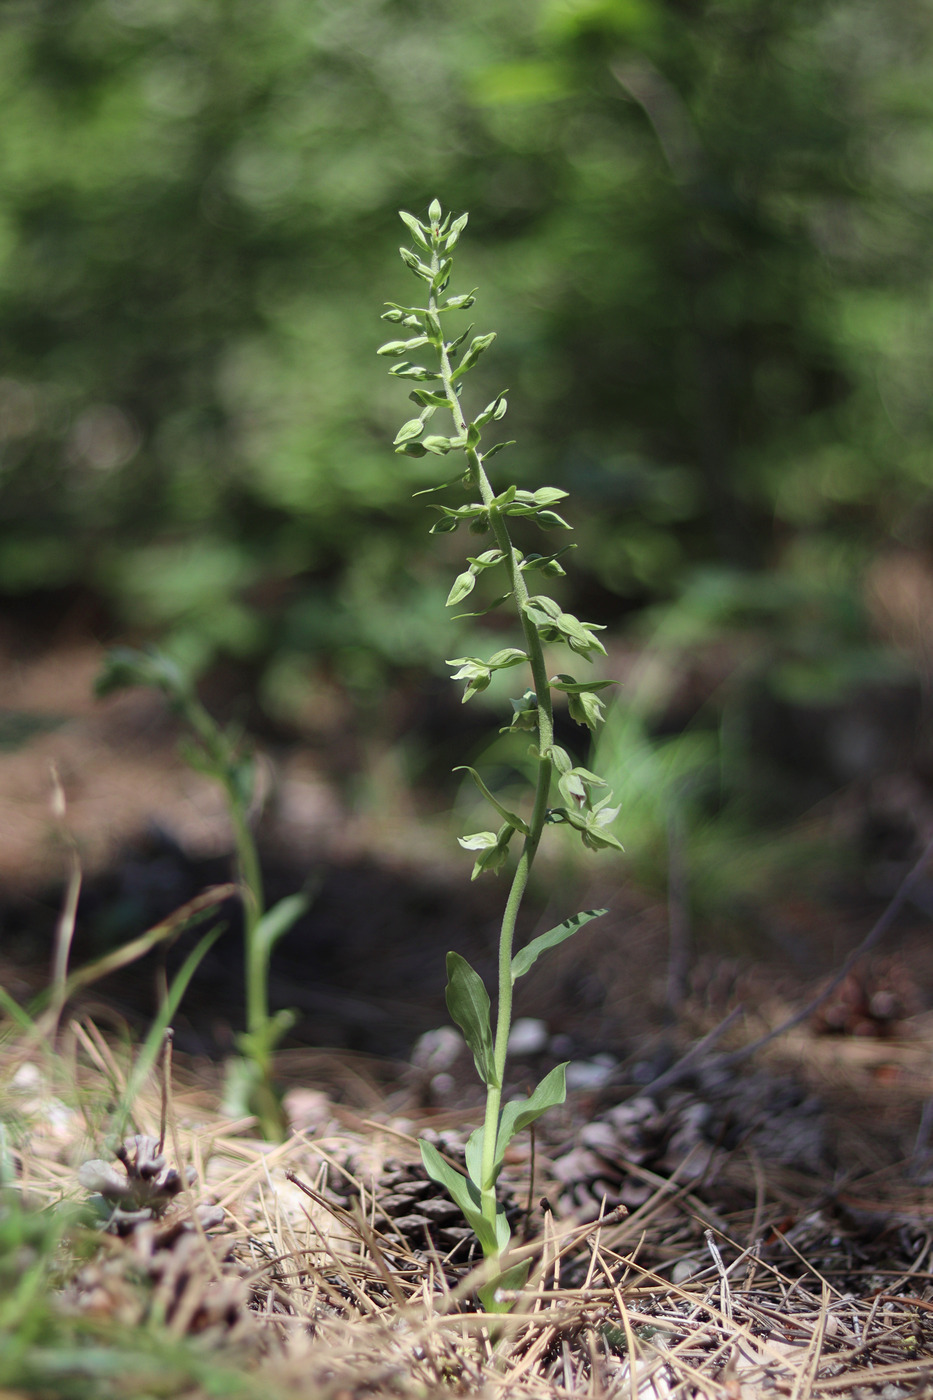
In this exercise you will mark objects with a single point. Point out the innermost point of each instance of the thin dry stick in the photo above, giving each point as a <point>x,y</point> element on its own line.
<point>725,1294</point>
<point>803,1385</point>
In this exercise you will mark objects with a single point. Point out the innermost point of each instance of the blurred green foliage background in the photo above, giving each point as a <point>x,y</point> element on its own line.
<point>702,230</point>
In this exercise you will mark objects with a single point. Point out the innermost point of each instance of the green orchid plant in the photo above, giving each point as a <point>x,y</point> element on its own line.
<point>222,755</point>
<point>586,805</point>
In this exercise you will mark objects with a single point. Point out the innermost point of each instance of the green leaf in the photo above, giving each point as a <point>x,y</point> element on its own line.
<point>527,956</point>
<point>460,303</point>
<point>509,1281</point>
<point>463,1193</point>
<point>17,1013</point>
<point>504,499</point>
<point>511,817</point>
<point>548,495</point>
<point>428,400</point>
<point>415,265</point>
<point>497,447</point>
<point>463,584</point>
<point>435,211</point>
<point>456,229</point>
<point>474,1155</point>
<point>561,759</point>
<point>401,347</point>
<point>493,411</point>
<point>440,446</point>
<point>573,687</point>
<point>149,1050</point>
<point>453,345</point>
<point>550,520</point>
<point>524,713</point>
<point>546,563</point>
<point>487,560</point>
<point>400,313</point>
<point>476,347</point>
<point>276,921</point>
<point>508,656</point>
<point>496,603</point>
<point>407,371</point>
<point>418,232</point>
<point>412,429</point>
<point>519,1113</point>
<point>468,1004</point>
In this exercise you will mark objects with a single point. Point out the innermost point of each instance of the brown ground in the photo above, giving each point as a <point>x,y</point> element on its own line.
<point>813,1157</point>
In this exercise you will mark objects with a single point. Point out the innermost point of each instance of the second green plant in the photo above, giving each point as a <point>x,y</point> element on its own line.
<point>585,804</point>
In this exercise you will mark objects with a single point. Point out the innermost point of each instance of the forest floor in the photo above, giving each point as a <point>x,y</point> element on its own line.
<point>728,1225</point>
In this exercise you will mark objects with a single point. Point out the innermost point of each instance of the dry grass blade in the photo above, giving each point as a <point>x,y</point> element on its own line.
<point>321,1297</point>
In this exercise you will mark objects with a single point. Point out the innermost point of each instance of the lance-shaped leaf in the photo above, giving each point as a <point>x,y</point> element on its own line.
<point>401,347</point>
<point>426,399</point>
<point>415,265</point>
<point>497,447</point>
<point>487,560</point>
<point>573,687</point>
<point>520,1112</point>
<point>544,496</point>
<point>418,231</point>
<point>546,563</point>
<point>460,303</point>
<point>512,818</point>
<point>504,499</point>
<point>474,1155</point>
<point>464,1194</point>
<point>476,347</point>
<point>474,510</point>
<point>409,431</point>
<point>561,759</point>
<point>463,584</point>
<point>468,1004</point>
<point>276,921</point>
<point>527,956</point>
<point>550,520</point>
<point>398,316</point>
<point>440,446</point>
<point>492,412</point>
<point>456,229</point>
<point>508,656</point>
<point>442,276</point>
<point>406,371</point>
